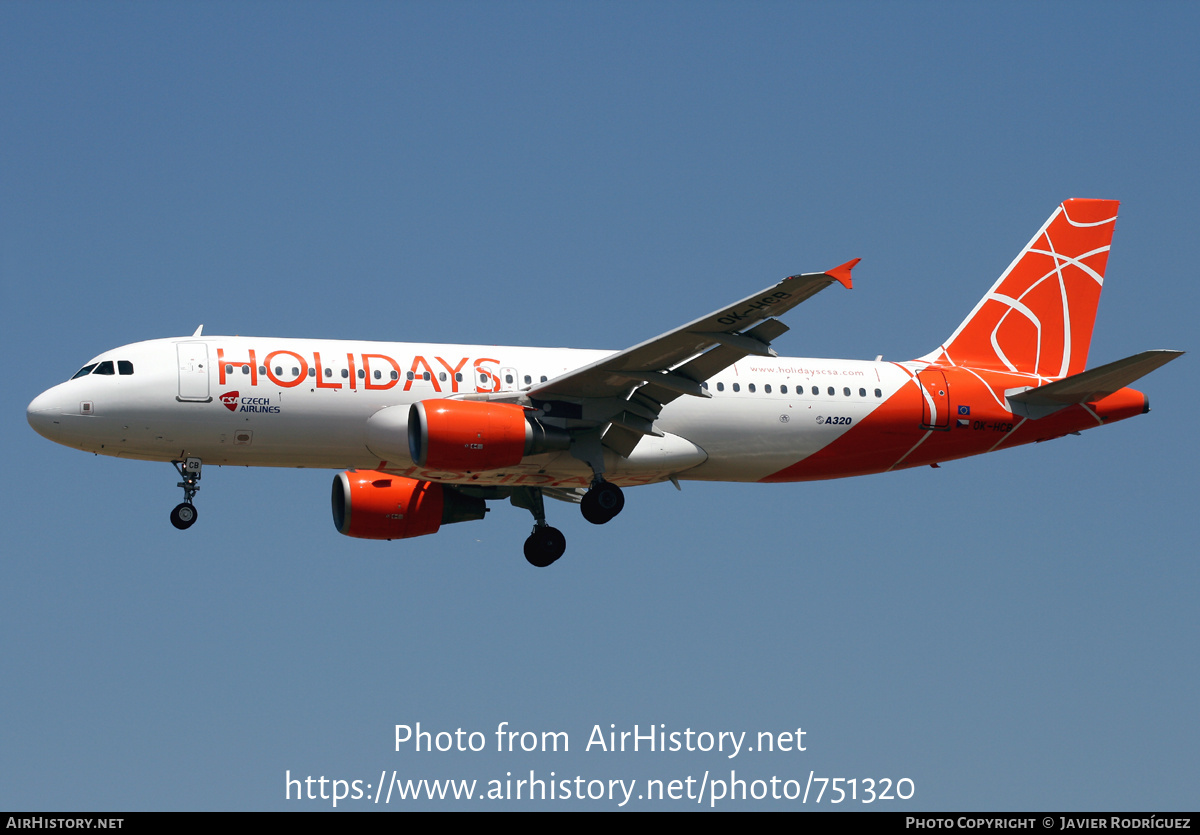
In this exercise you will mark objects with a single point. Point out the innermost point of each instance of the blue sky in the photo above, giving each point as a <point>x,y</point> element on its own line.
<point>1016,631</point>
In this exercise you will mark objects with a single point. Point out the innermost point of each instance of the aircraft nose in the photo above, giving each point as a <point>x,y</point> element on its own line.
<point>44,414</point>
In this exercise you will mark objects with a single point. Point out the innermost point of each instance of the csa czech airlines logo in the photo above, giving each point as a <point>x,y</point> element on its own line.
<point>234,402</point>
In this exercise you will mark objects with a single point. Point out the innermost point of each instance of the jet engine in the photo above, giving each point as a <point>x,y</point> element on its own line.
<point>474,436</point>
<point>369,504</point>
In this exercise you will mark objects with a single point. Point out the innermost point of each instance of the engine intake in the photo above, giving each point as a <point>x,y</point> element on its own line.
<point>473,436</point>
<point>368,504</point>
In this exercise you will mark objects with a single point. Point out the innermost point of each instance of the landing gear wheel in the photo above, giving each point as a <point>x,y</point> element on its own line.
<point>600,504</point>
<point>544,546</point>
<point>183,516</point>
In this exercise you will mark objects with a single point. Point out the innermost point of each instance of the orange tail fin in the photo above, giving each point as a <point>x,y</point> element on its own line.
<point>1038,317</point>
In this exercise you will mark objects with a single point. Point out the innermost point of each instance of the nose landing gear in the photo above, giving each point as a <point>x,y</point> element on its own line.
<point>184,514</point>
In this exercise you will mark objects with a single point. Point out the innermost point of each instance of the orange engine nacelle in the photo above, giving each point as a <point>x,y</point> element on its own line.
<point>473,436</point>
<point>372,505</point>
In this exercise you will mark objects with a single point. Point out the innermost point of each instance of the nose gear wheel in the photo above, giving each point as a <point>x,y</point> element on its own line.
<point>183,516</point>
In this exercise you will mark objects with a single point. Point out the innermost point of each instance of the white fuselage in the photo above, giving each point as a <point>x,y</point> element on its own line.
<point>307,403</point>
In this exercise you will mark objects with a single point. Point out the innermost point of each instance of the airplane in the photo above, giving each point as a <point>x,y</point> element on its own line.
<point>427,434</point>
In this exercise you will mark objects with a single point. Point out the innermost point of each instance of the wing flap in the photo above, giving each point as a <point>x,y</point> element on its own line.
<point>621,439</point>
<point>709,364</point>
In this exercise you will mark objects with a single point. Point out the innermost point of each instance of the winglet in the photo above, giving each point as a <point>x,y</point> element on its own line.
<point>842,274</point>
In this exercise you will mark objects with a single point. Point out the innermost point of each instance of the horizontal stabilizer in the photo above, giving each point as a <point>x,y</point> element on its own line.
<point>1087,386</point>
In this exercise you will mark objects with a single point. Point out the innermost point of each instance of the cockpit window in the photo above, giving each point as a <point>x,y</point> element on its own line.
<point>105,367</point>
<point>124,367</point>
<point>83,372</point>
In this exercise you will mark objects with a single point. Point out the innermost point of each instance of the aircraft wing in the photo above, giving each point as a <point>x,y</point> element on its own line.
<point>629,388</point>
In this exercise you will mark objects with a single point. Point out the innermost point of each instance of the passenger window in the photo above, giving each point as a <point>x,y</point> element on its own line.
<point>816,390</point>
<point>508,378</point>
<point>767,388</point>
<point>458,377</point>
<point>442,376</point>
<point>105,367</point>
<point>783,389</point>
<point>862,392</point>
<point>411,376</point>
<point>832,392</point>
<point>377,373</point>
<point>846,391</point>
<point>83,372</point>
<point>720,387</point>
<point>124,367</point>
<point>737,387</point>
<point>295,371</point>
<point>751,387</point>
<point>328,372</point>
<point>394,375</point>
<point>528,380</point>
<point>345,373</point>
<point>245,369</point>
<point>279,371</point>
<point>878,393</point>
<point>312,372</point>
<point>262,369</point>
<point>425,376</point>
<point>543,378</point>
<point>361,374</point>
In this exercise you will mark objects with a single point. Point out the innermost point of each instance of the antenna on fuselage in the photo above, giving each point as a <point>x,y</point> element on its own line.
<point>197,333</point>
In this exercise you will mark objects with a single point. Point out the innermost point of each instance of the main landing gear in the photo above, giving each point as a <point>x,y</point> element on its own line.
<point>184,514</point>
<point>602,502</point>
<point>545,544</point>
